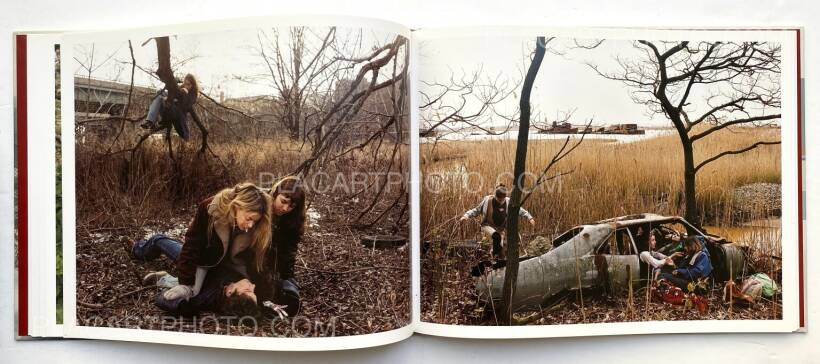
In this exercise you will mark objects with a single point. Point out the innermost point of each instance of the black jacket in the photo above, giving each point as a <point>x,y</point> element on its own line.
<point>176,110</point>
<point>200,249</point>
<point>283,250</point>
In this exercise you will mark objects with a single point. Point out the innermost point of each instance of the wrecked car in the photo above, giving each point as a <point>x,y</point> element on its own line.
<point>605,254</point>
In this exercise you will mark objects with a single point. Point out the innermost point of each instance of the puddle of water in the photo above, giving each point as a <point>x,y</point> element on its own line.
<point>760,233</point>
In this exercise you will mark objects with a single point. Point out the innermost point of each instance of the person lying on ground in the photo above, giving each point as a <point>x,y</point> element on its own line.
<point>276,276</point>
<point>494,208</point>
<point>225,292</point>
<point>174,111</point>
<point>694,265</point>
<point>233,228</point>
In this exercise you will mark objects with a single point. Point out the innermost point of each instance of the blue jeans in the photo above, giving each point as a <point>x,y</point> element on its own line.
<point>152,247</point>
<point>155,107</point>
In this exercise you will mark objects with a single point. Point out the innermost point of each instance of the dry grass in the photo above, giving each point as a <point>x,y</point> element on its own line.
<point>608,179</point>
<point>115,190</point>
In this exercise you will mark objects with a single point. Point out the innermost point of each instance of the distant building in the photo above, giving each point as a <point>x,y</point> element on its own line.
<point>95,98</point>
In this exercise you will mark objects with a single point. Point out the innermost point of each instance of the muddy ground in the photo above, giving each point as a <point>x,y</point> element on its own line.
<point>346,288</point>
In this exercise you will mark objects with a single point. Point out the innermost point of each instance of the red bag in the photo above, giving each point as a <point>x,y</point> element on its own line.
<point>674,295</point>
<point>669,293</point>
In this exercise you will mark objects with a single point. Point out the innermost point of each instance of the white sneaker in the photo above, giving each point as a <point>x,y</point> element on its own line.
<point>152,278</point>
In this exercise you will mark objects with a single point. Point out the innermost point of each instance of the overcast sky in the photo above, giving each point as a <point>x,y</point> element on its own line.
<point>564,81</point>
<point>216,59</point>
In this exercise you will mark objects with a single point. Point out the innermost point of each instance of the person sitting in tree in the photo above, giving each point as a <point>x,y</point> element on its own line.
<point>173,111</point>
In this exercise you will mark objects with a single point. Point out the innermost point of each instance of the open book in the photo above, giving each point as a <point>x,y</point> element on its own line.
<point>318,183</point>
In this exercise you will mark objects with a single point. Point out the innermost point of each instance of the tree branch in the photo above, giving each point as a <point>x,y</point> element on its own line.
<point>733,122</point>
<point>730,152</point>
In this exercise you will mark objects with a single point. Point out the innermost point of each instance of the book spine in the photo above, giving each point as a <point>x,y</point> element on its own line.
<point>800,190</point>
<point>22,185</point>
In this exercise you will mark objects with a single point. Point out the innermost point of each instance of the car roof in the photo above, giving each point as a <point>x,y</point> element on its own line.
<point>638,219</point>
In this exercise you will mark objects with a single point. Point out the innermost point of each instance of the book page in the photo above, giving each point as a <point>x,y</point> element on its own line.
<point>637,181</point>
<point>38,273</point>
<point>238,184</point>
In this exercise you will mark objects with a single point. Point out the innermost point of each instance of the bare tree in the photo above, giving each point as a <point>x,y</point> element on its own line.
<point>337,96</point>
<point>348,101</point>
<point>704,88</point>
<point>300,72</point>
<point>166,75</point>
<point>95,102</point>
<point>321,80</point>
<point>511,270</point>
<point>463,102</point>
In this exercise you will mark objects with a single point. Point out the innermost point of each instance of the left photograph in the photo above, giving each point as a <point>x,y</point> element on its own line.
<point>248,182</point>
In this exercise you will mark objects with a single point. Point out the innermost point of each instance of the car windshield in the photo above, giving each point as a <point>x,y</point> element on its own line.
<point>566,236</point>
<point>618,243</point>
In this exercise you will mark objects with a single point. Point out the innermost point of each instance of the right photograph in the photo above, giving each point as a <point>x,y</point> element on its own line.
<point>579,180</point>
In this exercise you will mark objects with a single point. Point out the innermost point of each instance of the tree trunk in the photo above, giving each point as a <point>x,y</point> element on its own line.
<point>689,173</point>
<point>691,204</point>
<point>164,71</point>
<point>511,270</point>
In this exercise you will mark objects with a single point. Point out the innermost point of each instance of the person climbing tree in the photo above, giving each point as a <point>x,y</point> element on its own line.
<point>173,110</point>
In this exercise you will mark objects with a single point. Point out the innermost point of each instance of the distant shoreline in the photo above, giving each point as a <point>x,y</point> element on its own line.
<point>513,134</point>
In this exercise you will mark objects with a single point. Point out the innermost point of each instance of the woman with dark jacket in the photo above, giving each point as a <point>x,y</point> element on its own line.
<point>269,265</point>
<point>288,211</point>
<point>231,229</point>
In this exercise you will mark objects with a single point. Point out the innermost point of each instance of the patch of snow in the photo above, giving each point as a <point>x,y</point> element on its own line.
<point>99,237</point>
<point>313,217</point>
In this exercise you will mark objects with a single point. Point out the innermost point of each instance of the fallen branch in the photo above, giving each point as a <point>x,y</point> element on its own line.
<point>126,294</point>
<point>353,270</point>
<point>538,315</point>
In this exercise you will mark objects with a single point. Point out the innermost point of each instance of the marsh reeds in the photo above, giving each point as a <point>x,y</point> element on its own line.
<point>604,179</point>
<point>608,179</point>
